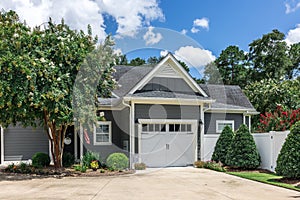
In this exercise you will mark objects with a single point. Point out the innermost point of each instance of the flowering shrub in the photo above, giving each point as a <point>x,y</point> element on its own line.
<point>280,120</point>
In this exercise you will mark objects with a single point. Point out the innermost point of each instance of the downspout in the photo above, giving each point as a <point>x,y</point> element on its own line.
<point>130,135</point>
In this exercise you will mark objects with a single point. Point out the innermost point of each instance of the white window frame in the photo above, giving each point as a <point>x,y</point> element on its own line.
<point>109,133</point>
<point>224,122</point>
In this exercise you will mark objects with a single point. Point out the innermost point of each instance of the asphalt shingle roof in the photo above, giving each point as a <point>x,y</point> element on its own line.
<point>128,76</point>
<point>227,96</point>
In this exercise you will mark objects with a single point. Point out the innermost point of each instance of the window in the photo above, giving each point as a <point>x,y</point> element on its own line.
<point>220,125</point>
<point>102,133</point>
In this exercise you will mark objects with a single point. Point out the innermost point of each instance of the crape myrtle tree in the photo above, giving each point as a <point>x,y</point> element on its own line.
<point>38,68</point>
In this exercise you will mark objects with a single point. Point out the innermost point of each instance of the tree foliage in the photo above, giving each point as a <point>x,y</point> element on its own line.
<point>288,161</point>
<point>243,152</point>
<point>38,68</point>
<point>232,65</point>
<point>222,145</point>
<point>269,56</point>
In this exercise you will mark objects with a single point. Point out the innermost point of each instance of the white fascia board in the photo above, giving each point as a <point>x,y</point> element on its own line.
<point>173,101</point>
<point>243,111</point>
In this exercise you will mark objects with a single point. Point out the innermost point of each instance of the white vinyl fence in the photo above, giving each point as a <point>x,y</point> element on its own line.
<point>268,145</point>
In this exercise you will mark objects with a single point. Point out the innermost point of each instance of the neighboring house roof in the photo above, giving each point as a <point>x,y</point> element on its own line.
<point>228,97</point>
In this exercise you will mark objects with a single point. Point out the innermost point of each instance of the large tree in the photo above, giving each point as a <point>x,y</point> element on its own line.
<point>269,56</point>
<point>38,68</point>
<point>232,66</point>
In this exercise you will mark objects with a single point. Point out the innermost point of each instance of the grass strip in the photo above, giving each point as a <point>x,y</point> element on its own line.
<point>271,179</point>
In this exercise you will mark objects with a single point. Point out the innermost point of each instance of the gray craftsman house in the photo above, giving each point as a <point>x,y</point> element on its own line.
<point>158,115</point>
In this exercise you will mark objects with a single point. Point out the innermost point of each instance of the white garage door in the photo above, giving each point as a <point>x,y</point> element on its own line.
<point>168,144</point>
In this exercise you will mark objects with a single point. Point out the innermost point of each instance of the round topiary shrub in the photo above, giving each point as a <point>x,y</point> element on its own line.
<point>243,152</point>
<point>117,161</point>
<point>223,145</point>
<point>288,161</point>
<point>40,160</point>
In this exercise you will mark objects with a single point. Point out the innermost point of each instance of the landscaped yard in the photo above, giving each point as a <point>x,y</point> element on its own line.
<point>269,179</point>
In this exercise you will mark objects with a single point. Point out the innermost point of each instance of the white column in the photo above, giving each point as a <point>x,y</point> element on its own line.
<point>2,145</point>
<point>202,133</point>
<point>75,143</point>
<point>132,139</point>
<point>81,142</point>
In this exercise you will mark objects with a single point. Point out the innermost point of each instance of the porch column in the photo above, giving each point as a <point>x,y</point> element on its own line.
<point>202,133</point>
<point>132,136</point>
<point>81,142</point>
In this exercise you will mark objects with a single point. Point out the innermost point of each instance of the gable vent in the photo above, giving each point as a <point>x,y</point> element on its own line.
<point>167,71</point>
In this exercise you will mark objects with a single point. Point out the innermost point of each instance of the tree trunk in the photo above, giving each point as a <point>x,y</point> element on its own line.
<point>56,137</point>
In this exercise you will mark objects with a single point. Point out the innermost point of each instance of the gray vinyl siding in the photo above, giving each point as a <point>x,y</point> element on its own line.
<point>149,111</point>
<point>169,84</point>
<point>25,141</point>
<point>211,118</point>
<point>120,132</point>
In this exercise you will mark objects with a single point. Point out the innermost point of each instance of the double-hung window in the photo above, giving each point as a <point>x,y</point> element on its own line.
<point>102,133</point>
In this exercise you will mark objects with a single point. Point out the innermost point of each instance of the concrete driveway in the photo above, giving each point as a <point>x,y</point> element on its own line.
<point>169,183</point>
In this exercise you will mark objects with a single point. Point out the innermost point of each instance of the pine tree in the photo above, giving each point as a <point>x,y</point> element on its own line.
<point>243,152</point>
<point>223,145</point>
<point>288,161</point>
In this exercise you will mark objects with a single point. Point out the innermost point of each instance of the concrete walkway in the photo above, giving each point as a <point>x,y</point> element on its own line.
<point>170,183</point>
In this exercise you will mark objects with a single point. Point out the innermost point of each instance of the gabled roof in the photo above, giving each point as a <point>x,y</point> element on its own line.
<point>169,62</point>
<point>228,97</point>
<point>128,76</point>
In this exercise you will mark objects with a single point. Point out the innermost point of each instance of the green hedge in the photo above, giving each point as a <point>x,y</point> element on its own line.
<point>243,152</point>
<point>288,161</point>
<point>222,145</point>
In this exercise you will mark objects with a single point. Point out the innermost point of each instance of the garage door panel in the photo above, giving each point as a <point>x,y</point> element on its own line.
<point>182,150</point>
<point>153,149</point>
<point>176,146</point>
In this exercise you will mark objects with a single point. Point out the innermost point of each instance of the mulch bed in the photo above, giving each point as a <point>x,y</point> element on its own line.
<point>51,172</point>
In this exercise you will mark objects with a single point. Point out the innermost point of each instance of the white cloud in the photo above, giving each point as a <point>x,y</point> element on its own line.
<point>152,38</point>
<point>194,56</point>
<point>129,14</point>
<point>203,23</point>
<point>164,53</point>
<point>183,31</point>
<point>194,30</point>
<point>291,6</point>
<point>293,36</point>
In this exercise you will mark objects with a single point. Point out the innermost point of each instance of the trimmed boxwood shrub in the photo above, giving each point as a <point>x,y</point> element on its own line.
<point>243,152</point>
<point>40,160</point>
<point>288,161</point>
<point>223,145</point>
<point>117,161</point>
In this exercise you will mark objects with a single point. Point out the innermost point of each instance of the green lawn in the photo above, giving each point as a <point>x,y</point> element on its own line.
<point>264,178</point>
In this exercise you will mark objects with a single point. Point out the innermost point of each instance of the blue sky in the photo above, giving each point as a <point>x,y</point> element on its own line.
<point>195,31</point>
